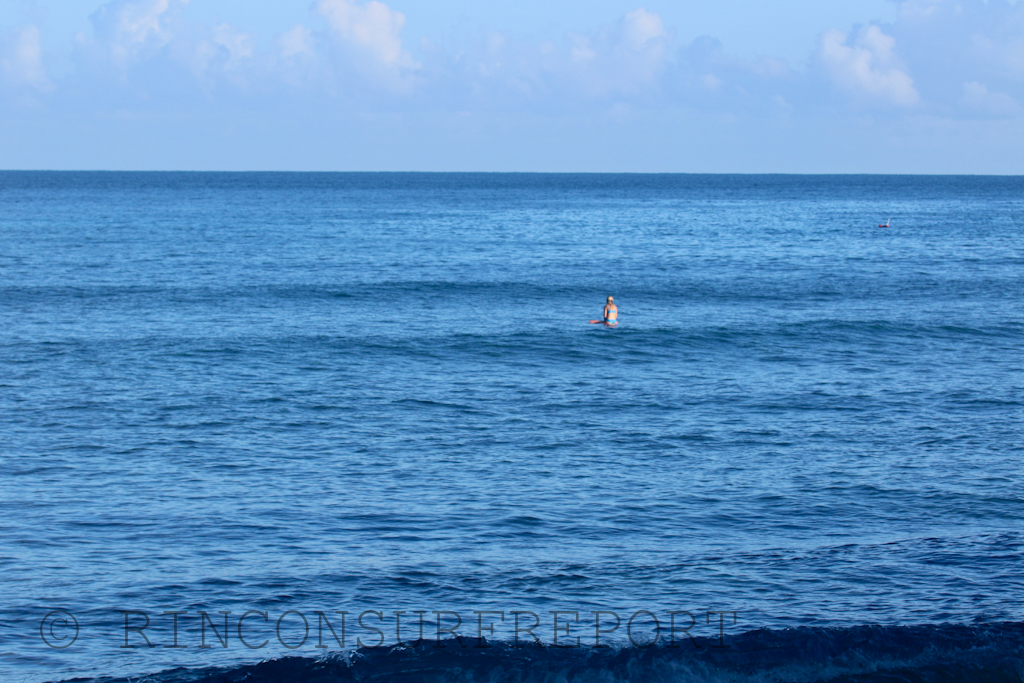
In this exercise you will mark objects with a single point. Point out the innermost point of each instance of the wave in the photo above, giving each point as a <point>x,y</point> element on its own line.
<point>948,653</point>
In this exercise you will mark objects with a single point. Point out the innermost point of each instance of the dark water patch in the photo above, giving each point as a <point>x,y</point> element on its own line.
<point>948,653</point>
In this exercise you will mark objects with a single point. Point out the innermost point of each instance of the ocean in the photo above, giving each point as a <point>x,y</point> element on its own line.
<point>324,427</point>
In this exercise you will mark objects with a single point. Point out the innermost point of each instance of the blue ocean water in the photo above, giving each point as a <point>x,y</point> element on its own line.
<point>275,395</point>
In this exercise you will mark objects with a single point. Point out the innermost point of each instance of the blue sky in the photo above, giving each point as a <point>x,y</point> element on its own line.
<point>877,86</point>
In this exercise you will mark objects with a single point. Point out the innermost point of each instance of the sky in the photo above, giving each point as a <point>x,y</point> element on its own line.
<point>742,86</point>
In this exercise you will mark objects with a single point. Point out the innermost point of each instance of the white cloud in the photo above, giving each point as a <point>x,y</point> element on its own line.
<point>581,52</point>
<point>372,28</point>
<point>224,52</point>
<point>966,57</point>
<point>641,27</point>
<point>711,82</point>
<point>239,46</point>
<point>21,60</point>
<point>868,68</point>
<point>622,59</point>
<point>296,41</point>
<point>705,76</point>
<point>1003,52</point>
<point>919,9</point>
<point>948,43</point>
<point>127,27</point>
<point>979,99</point>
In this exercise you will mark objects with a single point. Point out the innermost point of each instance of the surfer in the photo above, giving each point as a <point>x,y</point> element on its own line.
<point>611,313</point>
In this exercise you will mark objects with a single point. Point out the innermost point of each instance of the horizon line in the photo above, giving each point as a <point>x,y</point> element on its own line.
<point>550,173</point>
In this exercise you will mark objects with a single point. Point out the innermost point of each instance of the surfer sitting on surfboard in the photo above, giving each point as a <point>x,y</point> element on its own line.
<point>611,313</point>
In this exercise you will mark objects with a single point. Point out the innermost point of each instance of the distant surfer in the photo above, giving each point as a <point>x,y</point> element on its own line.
<point>611,313</point>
